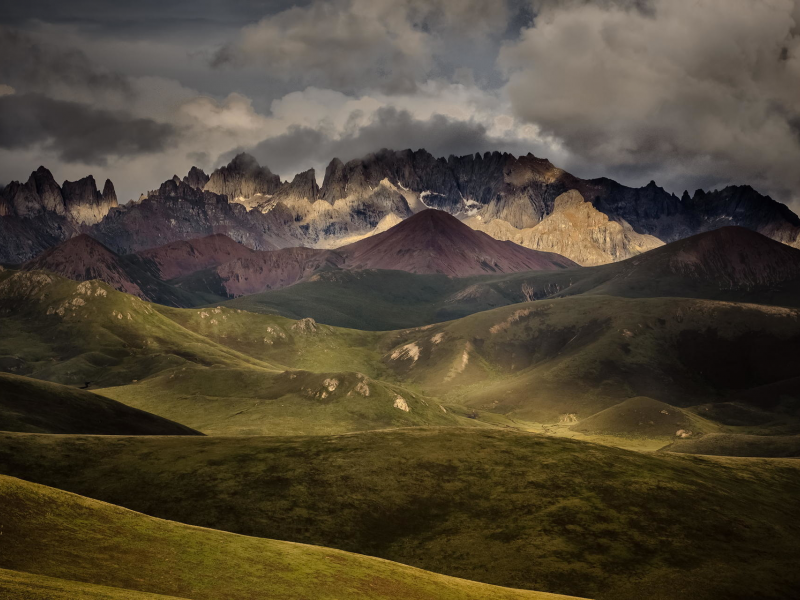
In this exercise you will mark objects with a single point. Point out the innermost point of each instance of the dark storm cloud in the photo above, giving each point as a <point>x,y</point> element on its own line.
<point>148,13</point>
<point>30,66</point>
<point>77,132</point>
<point>303,147</point>
<point>684,91</point>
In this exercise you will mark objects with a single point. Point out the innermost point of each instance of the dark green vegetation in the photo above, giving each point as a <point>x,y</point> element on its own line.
<point>729,264</point>
<point>722,444</point>
<point>506,508</point>
<point>34,406</point>
<point>72,540</point>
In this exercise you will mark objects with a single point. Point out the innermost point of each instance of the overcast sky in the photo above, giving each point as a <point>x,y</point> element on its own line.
<point>689,93</point>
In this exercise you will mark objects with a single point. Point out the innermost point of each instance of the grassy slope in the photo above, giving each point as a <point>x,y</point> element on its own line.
<point>500,507</point>
<point>57,534</point>
<point>33,406</point>
<point>17,585</point>
<point>726,444</point>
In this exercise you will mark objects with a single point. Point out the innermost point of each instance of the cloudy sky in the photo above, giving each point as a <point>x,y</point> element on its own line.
<point>690,93</point>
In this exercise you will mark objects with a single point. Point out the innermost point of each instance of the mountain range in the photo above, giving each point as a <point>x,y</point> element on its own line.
<point>520,199</point>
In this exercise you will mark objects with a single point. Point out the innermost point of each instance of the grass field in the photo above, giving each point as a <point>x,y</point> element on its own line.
<point>75,540</point>
<point>501,507</point>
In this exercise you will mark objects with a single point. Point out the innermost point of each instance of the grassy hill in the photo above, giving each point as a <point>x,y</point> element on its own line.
<point>541,361</point>
<point>576,356</point>
<point>501,507</point>
<point>16,585</point>
<point>59,535</point>
<point>33,406</point>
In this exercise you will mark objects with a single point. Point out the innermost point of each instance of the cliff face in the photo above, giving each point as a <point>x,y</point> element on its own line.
<point>574,229</point>
<point>243,177</point>
<point>84,203</point>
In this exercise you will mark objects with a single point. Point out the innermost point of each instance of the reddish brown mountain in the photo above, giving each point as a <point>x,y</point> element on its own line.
<point>733,258</point>
<point>83,258</point>
<point>181,258</point>
<point>273,270</point>
<point>433,241</point>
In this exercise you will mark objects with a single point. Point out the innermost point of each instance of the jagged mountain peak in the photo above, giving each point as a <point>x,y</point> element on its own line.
<point>243,177</point>
<point>196,178</point>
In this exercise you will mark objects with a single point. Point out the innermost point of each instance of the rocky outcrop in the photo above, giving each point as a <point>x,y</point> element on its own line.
<point>244,178</point>
<point>39,194</point>
<point>196,178</point>
<point>302,188</point>
<point>574,229</point>
<point>84,203</point>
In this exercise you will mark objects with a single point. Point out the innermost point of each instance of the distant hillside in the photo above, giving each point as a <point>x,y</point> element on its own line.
<point>33,406</point>
<point>731,264</point>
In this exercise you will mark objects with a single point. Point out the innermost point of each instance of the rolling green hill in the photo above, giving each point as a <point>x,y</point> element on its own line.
<point>502,507</point>
<point>577,356</point>
<point>33,406</point>
<point>56,541</point>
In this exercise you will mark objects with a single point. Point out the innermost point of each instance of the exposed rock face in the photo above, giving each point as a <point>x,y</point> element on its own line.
<point>84,203</point>
<point>196,178</point>
<point>181,258</point>
<point>177,211</point>
<point>302,187</point>
<point>39,194</point>
<point>574,229</point>
<point>436,242</point>
<point>743,206</point>
<point>243,177</point>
